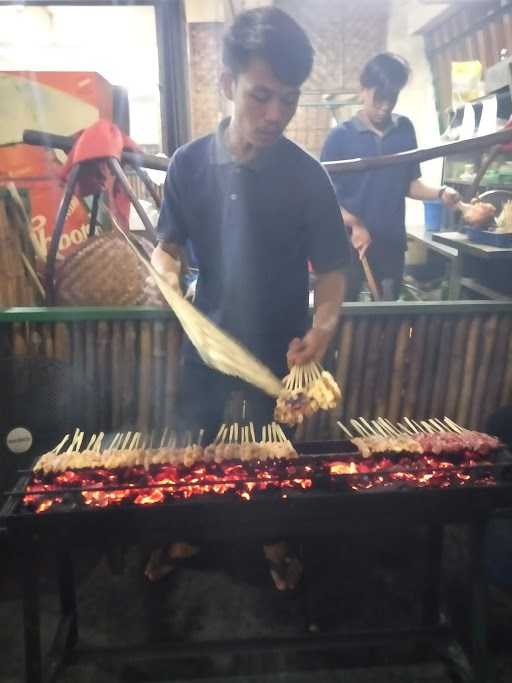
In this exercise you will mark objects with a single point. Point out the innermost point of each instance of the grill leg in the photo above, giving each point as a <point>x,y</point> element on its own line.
<point>29,573</point>
<point>432,589</point>
<point>479,602</point>
<point>67,592</point>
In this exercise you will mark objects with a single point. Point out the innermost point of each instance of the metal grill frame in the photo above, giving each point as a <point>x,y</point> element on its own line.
<point>300,515</point>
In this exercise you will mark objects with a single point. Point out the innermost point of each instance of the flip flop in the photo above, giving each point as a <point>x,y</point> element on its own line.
<point>287,573</point>
<point>164,561</point>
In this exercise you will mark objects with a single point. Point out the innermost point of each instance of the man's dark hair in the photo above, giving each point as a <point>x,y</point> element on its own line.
<point>272,35</point>
<point>387,73</point>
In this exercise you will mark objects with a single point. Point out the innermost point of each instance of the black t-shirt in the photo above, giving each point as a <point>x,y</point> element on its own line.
<point>376,197</point>
<point>253,229</point>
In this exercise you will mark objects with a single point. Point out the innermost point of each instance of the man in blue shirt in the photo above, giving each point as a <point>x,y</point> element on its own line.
<point>373,202</point>
<point>255,208</point>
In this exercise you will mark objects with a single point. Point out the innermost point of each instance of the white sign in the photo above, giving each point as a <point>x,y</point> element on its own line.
<point>19,440</point>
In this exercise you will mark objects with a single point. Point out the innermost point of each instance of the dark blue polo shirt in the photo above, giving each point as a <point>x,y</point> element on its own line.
<point>253,229</point>
<point>377,197</point>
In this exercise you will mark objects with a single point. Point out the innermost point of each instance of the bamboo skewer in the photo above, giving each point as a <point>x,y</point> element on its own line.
<point>405,429</point>
<point>358,427</point>
<point>427,427</point>
<point>366,424</point>
<point>411,425</point>
<point>344,429</point>
<point>453,425</point>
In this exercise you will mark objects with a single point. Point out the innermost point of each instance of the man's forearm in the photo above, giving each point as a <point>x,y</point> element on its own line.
<point>166,260</point>
<point>418,190</point>
<point>329,297</point>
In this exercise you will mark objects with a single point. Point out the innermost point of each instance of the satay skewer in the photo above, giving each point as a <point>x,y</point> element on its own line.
<point>405,429</point>
<point>366,424</point>
<point>60,445</point>
<point>358,427</point>
<point>411,425</point>
<point>386,426</point>
<point>453,425</point>
<point>220,433</point>
<point>418,426</point>
<point>392,427</point>
<point>441,426</point>
<point>428,428</point>
<point>135,441</point>
<point>380,429</point>
<point>164,437</point>
<point>435,426</point>
<point>345,430</point>
<point>90,444</point>
<point>98,443</point>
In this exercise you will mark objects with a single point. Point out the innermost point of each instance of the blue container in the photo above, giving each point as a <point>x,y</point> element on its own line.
<point>433,214</point>
<point>489,237</point>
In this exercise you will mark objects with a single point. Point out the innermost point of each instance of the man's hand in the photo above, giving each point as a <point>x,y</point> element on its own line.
<point>360,238</point>
<point>450,197</point>
<point>311,348</point>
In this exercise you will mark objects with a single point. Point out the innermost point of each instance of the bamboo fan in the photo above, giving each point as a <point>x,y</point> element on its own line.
<point>216,348</point>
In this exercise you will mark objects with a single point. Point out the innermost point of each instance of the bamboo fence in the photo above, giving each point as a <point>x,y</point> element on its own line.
<point>16,287</point>
<point>391,360</point>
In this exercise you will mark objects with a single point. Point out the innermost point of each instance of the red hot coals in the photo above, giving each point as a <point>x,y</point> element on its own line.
<point>166,484</point>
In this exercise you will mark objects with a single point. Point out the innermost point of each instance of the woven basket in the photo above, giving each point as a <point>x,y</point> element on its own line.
<point>104,272</point>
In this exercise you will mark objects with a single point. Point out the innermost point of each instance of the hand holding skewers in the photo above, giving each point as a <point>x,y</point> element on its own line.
<point>306,389</point>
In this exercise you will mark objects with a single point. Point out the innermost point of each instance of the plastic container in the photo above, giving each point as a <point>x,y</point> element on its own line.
<point>433,214</point>
<point>489,237</point>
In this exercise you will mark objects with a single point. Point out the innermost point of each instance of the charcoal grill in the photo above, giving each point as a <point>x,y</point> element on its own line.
<point>330,505</point>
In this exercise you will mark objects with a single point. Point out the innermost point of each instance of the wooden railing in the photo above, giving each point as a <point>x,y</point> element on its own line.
<point>121,365</point>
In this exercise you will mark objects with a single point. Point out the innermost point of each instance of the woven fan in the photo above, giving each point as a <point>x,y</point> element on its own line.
<point>216,348</point>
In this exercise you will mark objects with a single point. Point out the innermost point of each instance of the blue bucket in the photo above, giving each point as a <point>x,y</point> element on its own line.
<point>433,214</point>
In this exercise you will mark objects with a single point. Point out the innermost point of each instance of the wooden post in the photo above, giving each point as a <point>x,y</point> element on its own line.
<point>470,365</point>
<point>344,341</point>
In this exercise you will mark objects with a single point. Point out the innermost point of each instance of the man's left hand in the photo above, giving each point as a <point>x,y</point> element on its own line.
<point>310,348</point>
<point>450,197</point>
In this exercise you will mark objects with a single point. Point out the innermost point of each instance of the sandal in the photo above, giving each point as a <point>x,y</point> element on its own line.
<point>287,573</point>
<point>164,561</point>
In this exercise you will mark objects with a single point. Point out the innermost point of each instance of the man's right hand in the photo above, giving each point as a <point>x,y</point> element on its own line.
<point>360,238</point>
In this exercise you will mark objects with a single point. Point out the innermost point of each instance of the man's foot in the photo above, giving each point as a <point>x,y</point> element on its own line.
<point>163,561</point>
<point>285,569</point>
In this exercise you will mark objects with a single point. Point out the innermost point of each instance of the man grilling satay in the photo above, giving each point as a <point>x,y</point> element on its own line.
<point>255,208</point>
<point>373,202</point>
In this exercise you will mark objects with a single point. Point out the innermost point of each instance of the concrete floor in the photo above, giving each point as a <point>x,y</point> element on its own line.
<point>365,583</point>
